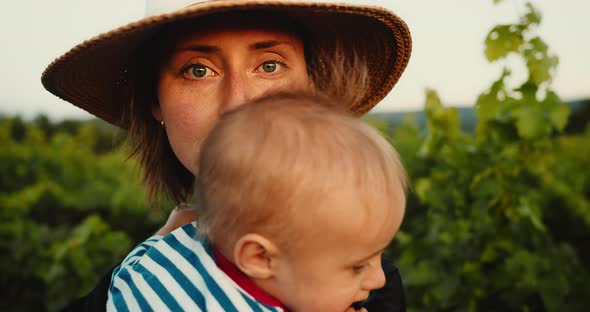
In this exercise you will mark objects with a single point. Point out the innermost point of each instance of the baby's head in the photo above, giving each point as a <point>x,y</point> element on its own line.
<point>303,198</point>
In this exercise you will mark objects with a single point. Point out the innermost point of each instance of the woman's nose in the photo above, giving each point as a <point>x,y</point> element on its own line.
<point>237,91</point>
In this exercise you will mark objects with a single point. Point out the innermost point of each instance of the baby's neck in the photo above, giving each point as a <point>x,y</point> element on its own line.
<point>253,288</point>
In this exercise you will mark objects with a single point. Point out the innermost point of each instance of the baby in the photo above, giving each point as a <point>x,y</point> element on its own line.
<point>297,202</point>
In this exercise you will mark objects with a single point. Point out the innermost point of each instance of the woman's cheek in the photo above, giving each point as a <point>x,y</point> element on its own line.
<point>187,127</point>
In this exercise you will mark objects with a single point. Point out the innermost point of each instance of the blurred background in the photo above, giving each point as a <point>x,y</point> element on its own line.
<point>491,120</point>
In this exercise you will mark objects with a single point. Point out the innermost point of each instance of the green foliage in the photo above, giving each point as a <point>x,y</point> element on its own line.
<point>69,211</point>
<point>494,228</point>
<point>497,220</point>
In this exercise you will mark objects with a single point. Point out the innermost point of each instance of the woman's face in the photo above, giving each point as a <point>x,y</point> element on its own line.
<point>212,72</point>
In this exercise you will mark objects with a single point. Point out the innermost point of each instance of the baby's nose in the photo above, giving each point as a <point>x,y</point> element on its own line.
<point>375,279</point>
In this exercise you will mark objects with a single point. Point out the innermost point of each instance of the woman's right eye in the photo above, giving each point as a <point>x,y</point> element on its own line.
<point>197,71</point>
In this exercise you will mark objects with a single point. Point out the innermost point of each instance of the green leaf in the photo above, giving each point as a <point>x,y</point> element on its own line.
<point>540,63</point>
<point>422,274</point>
<point>445,290</point>
<point>533,16</point>
<point>528,90</point>
<point>540,69</point>
<point>487,105</point>
<point>423,187</point>
<point>529,210</point>
<point>537,45</point>
<point>531,122</point>
<point>559,112</point>
<point>433,103</point>
<point>502,40</point>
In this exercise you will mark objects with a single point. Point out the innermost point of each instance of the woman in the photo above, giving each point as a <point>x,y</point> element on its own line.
<point>169,77</point>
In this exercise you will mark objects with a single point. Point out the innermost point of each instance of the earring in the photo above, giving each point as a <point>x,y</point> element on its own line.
<point>162,124</point>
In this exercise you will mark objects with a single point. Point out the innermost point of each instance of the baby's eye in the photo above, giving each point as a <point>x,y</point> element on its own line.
<point>359,268</point>
<point>271,66</point>
<point>196,71</point>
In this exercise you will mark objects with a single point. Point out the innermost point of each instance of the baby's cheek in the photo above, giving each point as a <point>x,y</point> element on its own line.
<point>340,302</point>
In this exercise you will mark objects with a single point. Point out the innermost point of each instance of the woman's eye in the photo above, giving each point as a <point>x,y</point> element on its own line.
<point>198,71</point>
<point>270,66</point>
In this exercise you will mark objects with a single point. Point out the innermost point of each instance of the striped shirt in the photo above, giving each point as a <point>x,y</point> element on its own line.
<point>177,272</point>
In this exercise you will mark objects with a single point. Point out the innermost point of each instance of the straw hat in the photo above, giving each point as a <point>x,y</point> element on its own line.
<point>93,75</point>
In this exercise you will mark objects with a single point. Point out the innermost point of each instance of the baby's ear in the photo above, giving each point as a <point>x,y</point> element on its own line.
<point>254,255</point>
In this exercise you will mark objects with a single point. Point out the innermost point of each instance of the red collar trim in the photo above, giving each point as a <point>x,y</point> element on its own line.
<point>244,282</point>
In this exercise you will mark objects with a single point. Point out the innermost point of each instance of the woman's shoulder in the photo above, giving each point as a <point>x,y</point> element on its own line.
<point>182,239</point>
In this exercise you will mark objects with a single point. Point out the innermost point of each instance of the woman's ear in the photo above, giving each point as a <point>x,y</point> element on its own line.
<point>157,112</point>
<point>254,255</point>
<point>311,85</point>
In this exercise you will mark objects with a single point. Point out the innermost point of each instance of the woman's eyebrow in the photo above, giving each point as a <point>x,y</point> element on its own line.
<point>266,44</point>
<point>201,48</point>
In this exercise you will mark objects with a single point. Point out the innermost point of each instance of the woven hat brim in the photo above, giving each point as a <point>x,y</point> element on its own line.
<point>93,75</point>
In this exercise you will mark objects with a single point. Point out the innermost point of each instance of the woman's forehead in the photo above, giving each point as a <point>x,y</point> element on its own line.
<point>234,36</point>
<point>269,23</point>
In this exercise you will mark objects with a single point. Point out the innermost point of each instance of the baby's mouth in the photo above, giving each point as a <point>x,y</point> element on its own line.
<point>359,304</point>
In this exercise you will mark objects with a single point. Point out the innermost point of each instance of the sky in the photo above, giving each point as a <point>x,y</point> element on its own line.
<point>447,54</point>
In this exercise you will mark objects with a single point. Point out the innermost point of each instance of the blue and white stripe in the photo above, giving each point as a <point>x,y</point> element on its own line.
<point>176,272</point>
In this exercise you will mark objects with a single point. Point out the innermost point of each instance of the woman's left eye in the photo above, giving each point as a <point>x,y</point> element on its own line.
<point>271,66</point>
